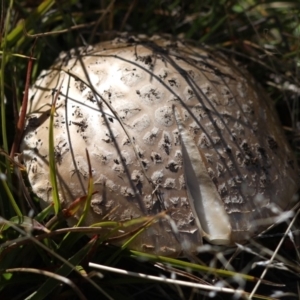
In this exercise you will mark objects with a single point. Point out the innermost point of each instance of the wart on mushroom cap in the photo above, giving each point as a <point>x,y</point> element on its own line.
<point>168,126</point>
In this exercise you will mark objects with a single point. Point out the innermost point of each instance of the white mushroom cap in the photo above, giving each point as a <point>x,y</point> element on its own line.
<point>168,126</point>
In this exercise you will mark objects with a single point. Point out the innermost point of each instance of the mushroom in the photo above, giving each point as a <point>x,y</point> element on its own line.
<point>168,127</point>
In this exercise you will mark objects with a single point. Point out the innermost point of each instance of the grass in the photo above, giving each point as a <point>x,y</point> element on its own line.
<point>39,257</point>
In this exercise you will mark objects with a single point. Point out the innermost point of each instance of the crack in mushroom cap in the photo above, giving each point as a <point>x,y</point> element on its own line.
<point>168,126</point>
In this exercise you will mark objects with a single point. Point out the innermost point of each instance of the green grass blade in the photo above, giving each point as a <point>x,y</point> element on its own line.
<point>11,197</point>
<point>213,29</point>
<point>70,239</point>
<point>196,267</point>
<point>3,63</point>
<point>17,33</point>
<point>90,192</point>
<point>44,213</point>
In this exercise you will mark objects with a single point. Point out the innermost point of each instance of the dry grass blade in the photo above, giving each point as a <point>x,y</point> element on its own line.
<point>212,289</point>
<point>27,223</point>
<point>11,160</point>
<point>51,33</point>
<point>21,120</point>
<point>274,254</point>
<point>55,276</point>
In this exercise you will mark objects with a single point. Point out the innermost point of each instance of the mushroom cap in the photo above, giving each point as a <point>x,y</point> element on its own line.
<point>168,127</point>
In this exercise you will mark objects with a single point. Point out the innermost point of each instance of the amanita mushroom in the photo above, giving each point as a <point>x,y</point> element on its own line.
<point>168,127</point>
